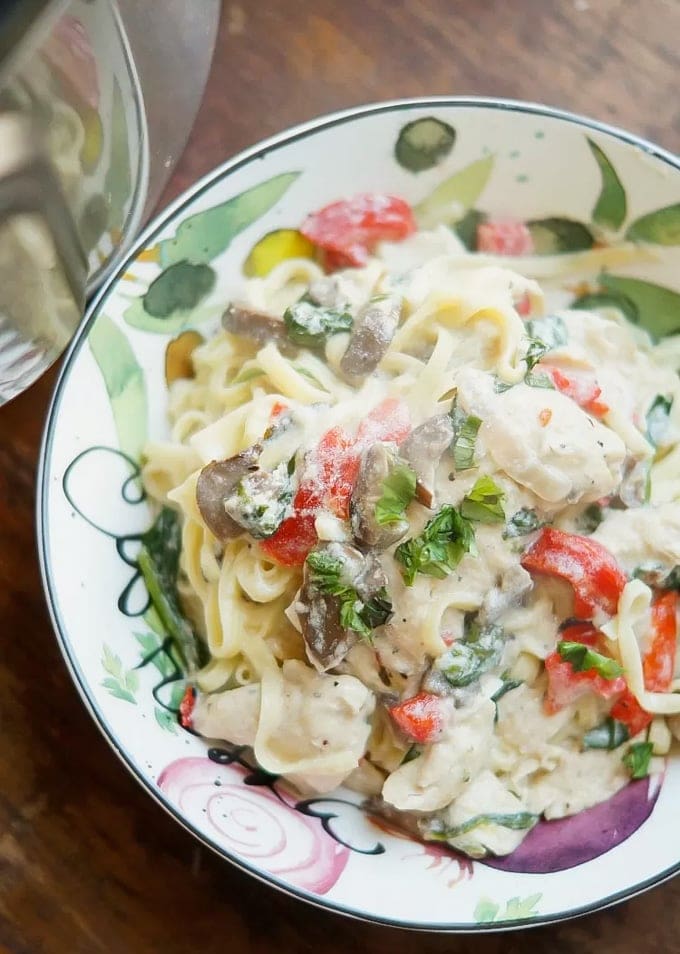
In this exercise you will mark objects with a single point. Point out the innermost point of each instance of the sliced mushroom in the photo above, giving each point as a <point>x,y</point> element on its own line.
<point>633,488</point>
<point>258,325</point>
<point>326,641</point>
<point>423,449</point>
<point>374,328</point>
<point>372,578</point>
<point>216,483</point>
<point>376,463</point>
<point>260,501</point>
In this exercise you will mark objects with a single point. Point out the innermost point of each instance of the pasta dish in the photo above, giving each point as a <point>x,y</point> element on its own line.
<point>430,532</point>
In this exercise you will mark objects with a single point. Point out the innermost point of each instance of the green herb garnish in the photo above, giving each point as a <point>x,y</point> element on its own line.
<point>326,573</point>
<point>311,326</point>
<point>398,490</point>
<point>438,550</point>
<point>523,521</point>
<point>657,419</point>
<point>637,759</point>
<point>484,503</point>
<point>465,427</point>
<point>609,735</point>
<point>584,659</point>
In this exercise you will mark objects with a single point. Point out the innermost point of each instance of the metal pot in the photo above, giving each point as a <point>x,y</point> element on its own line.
<point>96,102</point>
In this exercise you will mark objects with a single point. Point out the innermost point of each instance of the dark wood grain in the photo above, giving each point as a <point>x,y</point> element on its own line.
<point>87,862</point>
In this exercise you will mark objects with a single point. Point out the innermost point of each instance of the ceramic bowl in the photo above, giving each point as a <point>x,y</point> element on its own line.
<point>580,187</point>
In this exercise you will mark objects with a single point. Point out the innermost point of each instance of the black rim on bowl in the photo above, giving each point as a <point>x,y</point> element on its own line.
<point>59,625</point>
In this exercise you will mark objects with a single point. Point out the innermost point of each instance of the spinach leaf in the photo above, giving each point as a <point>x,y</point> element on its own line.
<point>609,735</point>
<point>519,821</point>
<point>468,658</point>
<point>326,573</point>
<point>523,521</point>
<point>158,562</point>
<point>310,325</point>
<point>657,419</point>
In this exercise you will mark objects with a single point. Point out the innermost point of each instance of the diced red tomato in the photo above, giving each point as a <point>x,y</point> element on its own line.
<point>420,717</point>
<point>582,632</point>
<point>277,410</point>
<point>658,664</point>
<point>329,481</point>
<point>628,710</point>
<point>338,459</point>
<point>504,237</point>
<point>389,421</point>
<point>566,686</point>
<point>297,534</point>
<point>186,708</point>
<point>580,387</point>
<point>595,577</point>
<point>348,230</point>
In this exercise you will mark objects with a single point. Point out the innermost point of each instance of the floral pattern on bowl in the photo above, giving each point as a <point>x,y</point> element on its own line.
<point>459,163</point>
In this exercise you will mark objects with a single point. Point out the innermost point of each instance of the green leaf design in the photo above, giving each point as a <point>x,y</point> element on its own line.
<point>486,911</point>
<point>516,909</point>
<point>598,300</point>
<point>179,287</point>
<point>136,317</point>
<point>118,181</point>
<point>203,236</point>
<point>151,643</point>
<point>424,143</point>
<point>658,307</point>
<point>452,198</point>
<point>119,683</point>
<point>466,228</point>
<point>554,235</point>
<point>611,207</point>
<point>660,228</point>
<point>166,720</point>
<point>124,382</point>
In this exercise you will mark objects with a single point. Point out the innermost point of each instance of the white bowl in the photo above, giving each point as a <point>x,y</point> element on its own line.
<point>509,159</point>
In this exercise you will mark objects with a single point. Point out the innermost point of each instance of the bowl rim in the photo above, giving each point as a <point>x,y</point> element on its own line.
<point>160,220</point>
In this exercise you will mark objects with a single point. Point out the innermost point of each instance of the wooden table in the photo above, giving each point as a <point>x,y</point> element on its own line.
<point>87,862</point>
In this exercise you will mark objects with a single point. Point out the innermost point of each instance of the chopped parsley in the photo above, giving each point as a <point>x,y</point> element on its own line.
<point>326,573</point>
<point>523,521</point>
<point>310,325</point>
<point>398,490</point>
<point>610,734</point>
<point>484,503</point>
<point>584,659</point>
<point>438,550</point>
<point>637,759</point>
<point>465,427</point>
